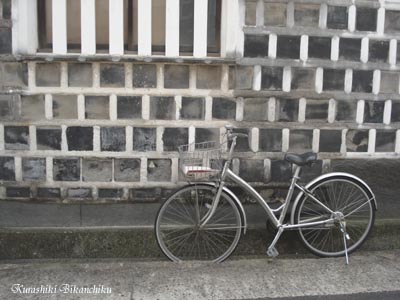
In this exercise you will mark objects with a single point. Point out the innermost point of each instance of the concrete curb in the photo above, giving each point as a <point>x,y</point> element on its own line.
<point>139,242</point>
<point>370,276</point>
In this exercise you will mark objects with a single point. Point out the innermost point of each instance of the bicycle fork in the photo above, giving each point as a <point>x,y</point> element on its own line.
<point>215,202</point>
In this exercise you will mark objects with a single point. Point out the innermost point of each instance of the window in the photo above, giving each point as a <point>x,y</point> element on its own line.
<point>186,27</point>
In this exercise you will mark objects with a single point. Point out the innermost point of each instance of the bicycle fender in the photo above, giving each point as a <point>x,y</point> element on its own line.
<point>328,175</point>
<point>238,203</point>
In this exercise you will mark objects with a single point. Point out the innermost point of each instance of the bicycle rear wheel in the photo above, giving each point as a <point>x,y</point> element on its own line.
<point>348,199</point>
<point>177,225</point>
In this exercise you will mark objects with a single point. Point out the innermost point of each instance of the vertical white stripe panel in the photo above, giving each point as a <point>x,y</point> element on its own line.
<point>24,26</point>
<point>172,28</point>
<point>200,28</point>
<point>116,21</point>
<point>144,27</point>
<point>229,18</point>
<point>88,26</point>
<point>59,26</point>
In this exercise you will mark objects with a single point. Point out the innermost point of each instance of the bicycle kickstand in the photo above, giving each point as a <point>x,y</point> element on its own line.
<point>346,237</point>
<point>271,251</point>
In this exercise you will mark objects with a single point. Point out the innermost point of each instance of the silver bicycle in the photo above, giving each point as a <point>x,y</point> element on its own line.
<point>204,220</point>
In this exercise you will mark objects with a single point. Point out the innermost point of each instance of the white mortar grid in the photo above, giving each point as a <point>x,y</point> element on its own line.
<point>254,139</point>
<point>146,107</point>
<point>113,107</point>
<point>225,78</point>
<point>64,141</point>
<point>260,13</point>
<point>397,145</point>
<point>272,44</point>
<point>360,111</point>
<point>208,108</point>
<point>3,192</point>
<point>49,169</point>
<point>348,81</point>
<point>393,52</point>
<point>159,139</point>
<point>239,109</point>
<point>48,106</point>
<point>304,47</point>
<point>236,165</point>
<point>371,140</point>
<point>125,194</point>
<point>175,169</point>
<point>143,169</point>
<point>31,75</point>
<point>128,75</point>
<point>376,82</point>
<point>178,107</point>
<point>192,78</point>
<point>2,142</point>
<point>96,74</point>
<point>326,165</point>
<point>160,76</point>
<point>331,111</point>
<point>286,79</point>
<point>64,75</point>
<point>302,110</point>
<point>95,193</point>
<point>81,107</point>
<point>112,170</point>
<point>335,48</point>
<point>343,148</point>
<point>290,14</point>
<point>132,92</point>
<point>18,168</point>
<point>315,143</point>
<point>267,169</point>
<point>192,134</point>
<point>271,109</point>
<point>364,50</point>
<point>129,139</point>
<point>387,112</point>
<point>257,78</point>
<point>285,139</point>
<point>17,105</point>
<point>398,90</point>
<point>380,23</point>
<point>352,18</point>
<point>323,15</point>
<point>32,138</point>
<point>96,139</point>
<point>319,80</point>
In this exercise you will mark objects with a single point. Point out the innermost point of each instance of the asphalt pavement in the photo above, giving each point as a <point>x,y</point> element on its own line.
<point>370,275</point>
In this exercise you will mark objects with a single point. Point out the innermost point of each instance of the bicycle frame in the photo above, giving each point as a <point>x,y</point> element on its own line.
<point>277,222</point>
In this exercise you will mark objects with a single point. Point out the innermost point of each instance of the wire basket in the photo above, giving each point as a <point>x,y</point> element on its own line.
<point>200,161</point>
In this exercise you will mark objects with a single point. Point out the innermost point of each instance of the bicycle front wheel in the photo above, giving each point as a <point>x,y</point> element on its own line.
<point>178,229</point>
<point>348,199</point>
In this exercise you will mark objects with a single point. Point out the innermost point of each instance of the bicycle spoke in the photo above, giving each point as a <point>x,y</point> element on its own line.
<point>343,196</point>
<point>215,240</point>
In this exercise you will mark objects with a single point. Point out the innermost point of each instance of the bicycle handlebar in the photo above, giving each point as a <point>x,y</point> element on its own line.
<point>239,135</point>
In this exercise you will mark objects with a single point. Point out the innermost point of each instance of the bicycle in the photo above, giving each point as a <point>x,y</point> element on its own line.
<point>334,213</point>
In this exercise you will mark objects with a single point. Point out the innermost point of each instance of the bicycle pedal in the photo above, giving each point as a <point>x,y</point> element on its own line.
<point>272,252</point>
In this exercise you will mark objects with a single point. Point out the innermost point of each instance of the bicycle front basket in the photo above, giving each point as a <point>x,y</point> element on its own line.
<point>200,161</point>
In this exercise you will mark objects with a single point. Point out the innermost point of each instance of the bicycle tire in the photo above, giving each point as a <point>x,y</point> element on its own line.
<point>177,222</point>
<point>341,194</point>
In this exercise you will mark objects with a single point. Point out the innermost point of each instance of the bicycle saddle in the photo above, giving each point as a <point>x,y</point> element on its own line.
<point>301,159</point>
